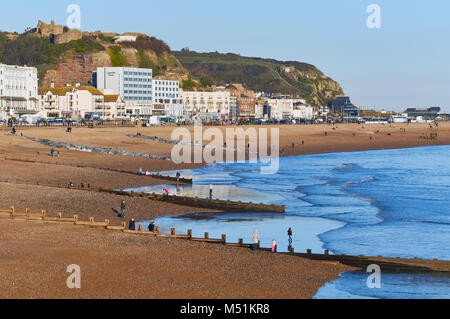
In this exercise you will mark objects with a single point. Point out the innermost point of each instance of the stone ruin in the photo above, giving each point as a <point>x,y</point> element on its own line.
<point>57,33</point>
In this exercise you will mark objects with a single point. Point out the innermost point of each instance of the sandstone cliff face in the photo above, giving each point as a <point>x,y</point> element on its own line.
<point>76,69</point>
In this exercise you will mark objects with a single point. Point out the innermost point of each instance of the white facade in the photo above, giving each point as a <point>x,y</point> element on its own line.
<point>163,89</point>
<point>70,102</point>
<point>18,91</point>
<point>134,85</point>
<point>303,112</point>
<point>208,104</point>
<point>125,38</point>
<point>281,108</point>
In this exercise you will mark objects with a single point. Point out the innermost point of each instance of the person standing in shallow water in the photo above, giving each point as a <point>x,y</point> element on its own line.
<point>255,240</point>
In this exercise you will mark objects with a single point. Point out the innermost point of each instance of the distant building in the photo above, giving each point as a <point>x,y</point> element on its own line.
<point>167,99</point>
<point>209,105</point>
<point>133,85</point>
<point>245,100</point>
<point>426,113</point>
<point>163,89</point>
<point>342,106</point>
<point>72,102</point>
<point>125,38</point>
<point>18,91</point>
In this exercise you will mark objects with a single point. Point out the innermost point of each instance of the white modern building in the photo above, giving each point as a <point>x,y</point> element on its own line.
<point>281,109</point>
<point>163,89</point>
<point>133,85</point>
<point>18,91</point>
<point>303,112</point>
<point>212,105</point>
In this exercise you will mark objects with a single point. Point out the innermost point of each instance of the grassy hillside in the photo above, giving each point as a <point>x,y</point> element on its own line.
<point>268,75</point>
<point>57,61</point>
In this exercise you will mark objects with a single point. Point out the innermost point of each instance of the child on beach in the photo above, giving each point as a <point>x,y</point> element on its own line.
<point>274,246</point>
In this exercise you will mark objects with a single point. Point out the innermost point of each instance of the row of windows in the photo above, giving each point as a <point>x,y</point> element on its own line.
<point>167,83</point>
<point>137,98</point>
<point>137,92</point>
<point>138,73</point>
<point>166,89</point>
<point>163,95</point>
<point>145,86</point>
<point>138,79</point>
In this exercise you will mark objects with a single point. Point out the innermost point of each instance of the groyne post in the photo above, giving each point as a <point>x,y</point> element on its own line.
<point>224,239</point>
<point>189,233</point>
<point>172,231</point>
<point>206,235</point>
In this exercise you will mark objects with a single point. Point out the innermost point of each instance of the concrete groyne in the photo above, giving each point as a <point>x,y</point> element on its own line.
<point>94,149</point>
<point>223,205</point>
<point>154,175</point>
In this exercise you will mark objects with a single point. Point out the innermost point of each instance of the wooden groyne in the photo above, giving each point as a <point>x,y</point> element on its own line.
<point>385,263</point>
<point>361,262</point>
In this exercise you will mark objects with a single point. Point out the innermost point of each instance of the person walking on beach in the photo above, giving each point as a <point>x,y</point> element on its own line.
<point>255,240</point>
<point>210,191</point>
<point>122,208</point>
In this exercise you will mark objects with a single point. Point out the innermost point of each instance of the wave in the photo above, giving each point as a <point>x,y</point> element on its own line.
<point>344,166</point>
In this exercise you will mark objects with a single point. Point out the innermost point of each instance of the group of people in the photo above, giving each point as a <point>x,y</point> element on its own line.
<point>132,224</point>
<point>256,242</point>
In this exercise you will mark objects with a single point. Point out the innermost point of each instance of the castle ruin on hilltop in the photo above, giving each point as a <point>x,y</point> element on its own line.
<point>57,33</point>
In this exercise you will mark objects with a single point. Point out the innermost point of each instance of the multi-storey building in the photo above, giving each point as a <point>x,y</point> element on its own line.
<point>208,105</point>
<point>74,102</point>
<point>281,109</point>
<point>18,91</point>
<point>133,85</point>
<point>245,99</point>
<point>163,89</point>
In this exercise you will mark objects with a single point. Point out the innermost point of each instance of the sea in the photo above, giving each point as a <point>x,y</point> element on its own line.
<point>394,203</point>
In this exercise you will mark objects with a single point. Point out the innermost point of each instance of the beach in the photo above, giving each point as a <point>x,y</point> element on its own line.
<point>118,265</point>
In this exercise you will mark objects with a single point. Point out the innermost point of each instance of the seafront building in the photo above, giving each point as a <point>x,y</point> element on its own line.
<point>214,105</point>
<point>18,91</point>
<point>74,102</point>
<point>133,85</point>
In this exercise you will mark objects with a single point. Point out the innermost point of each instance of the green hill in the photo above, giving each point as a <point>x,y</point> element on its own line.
<point>267,75</point>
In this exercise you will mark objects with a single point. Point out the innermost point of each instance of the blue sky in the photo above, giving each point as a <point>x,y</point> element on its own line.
<point>403,64</point>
